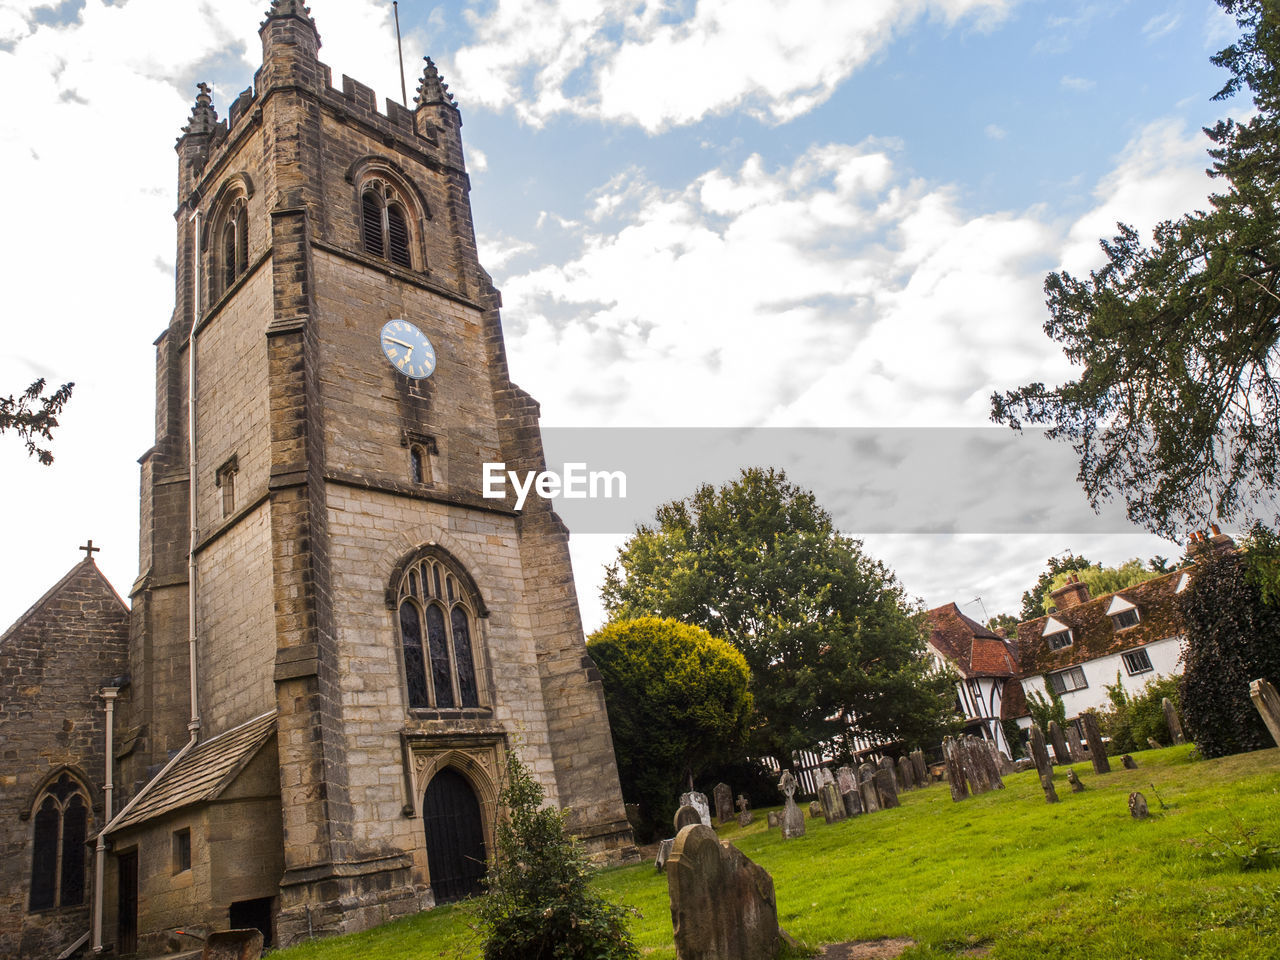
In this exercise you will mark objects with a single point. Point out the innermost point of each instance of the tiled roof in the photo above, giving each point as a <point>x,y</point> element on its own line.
<point>971,648</point>
<point>203,773</point>
<point>1093,632</point>
<point>1013,701</point>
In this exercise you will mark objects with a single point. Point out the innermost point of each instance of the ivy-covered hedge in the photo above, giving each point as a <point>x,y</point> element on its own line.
<point>1233,638</point>
<point>1133,720</point>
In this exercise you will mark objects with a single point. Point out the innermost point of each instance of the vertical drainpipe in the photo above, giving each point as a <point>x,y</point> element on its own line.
<point>108,787</point>
<point>194,725</point>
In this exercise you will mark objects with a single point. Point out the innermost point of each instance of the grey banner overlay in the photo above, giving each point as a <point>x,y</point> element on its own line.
<point>872,480</point>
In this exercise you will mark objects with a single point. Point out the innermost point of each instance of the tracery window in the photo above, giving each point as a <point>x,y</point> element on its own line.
<point>436,616</point>
<point>233,243</point>
<point>384,226</point>
<point>58,845</point>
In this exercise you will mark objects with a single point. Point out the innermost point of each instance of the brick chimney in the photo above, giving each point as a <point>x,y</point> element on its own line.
<point>1212,540</point>
<point>1070,594</point>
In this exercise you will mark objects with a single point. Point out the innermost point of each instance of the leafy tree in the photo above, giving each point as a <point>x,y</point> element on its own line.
<point>32,416</point>
<point>1233,638</point>
<point>678,703</point>
<point>1100,580</point>
<point>827,632</point>
<point>1177,405</point>
<point>1262,562</point>
<point>1133,719</point>
<point>1043,709</point>
<point>1033,600</point>
<point>1003,621</point>
<point>540,905</point>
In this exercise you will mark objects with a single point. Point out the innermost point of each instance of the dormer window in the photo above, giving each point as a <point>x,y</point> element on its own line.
<point>1056,634</point>
<point>1123,613</point>
<point>384,228</point>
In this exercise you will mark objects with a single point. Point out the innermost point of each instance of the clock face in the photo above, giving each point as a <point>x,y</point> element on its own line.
<point>408,349</point>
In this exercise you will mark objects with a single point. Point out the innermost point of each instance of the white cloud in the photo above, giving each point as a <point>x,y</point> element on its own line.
<point>1161,24</point>
<point>626,62</point>
<point>1080,84</point>
<point>995,132</point>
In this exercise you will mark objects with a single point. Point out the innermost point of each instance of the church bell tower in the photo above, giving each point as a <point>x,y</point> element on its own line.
<point>365,624</point>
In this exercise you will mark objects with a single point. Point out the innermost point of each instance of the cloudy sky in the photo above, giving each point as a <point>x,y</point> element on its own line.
<point>758,213</point>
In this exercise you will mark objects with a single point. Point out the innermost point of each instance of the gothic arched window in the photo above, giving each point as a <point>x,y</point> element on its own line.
<point>436,614</point>
<point>58,845</point>
<point>384,226</point>
<point>233,243</point>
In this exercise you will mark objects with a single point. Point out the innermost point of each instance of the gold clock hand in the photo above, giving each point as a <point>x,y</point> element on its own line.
<point>407,346</point>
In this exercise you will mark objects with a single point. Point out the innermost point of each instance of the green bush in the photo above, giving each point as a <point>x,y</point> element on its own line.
<point>1233,638</point>
<point>1134,719</point>
<point>539,905</point>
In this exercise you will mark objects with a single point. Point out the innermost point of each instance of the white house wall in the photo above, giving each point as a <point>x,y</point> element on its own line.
<point>1165,662</point>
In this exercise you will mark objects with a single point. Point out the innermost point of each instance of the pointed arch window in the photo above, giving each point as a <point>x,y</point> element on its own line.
<point>61,825</point>
<point>233,243</point>
<point>384,225</point>
<point>436,614</point>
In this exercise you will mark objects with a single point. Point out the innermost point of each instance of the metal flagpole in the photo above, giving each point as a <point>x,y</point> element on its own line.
<point>404,93</point>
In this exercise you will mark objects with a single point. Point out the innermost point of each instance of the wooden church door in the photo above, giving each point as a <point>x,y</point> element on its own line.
<point>455,837</point>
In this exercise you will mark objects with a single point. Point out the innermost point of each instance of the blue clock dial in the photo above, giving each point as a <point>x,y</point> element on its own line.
<point>408,349</point>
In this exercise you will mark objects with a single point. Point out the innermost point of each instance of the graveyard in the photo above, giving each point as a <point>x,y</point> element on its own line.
<point>1000,873</point>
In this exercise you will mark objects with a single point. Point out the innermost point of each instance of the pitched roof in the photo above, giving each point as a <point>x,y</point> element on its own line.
<point>1094,633</point>
<point>203,773</point>
<point>1013,701</point>
<point>85,567</point>
<point>971,648</point>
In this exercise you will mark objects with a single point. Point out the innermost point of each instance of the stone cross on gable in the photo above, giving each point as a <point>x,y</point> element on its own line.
<point>89,550</point>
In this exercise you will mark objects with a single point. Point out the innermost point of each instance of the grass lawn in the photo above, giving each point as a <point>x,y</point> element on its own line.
<point>1005,872</point>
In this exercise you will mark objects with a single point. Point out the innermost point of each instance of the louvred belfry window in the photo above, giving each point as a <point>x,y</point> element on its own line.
<point>61,824</point>
<point>371,218</point>
<point>435,614</point>
<point>233,243</point>
<point>384,226</point>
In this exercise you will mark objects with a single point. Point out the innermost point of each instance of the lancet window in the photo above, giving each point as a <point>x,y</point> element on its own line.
<point>436,616</point>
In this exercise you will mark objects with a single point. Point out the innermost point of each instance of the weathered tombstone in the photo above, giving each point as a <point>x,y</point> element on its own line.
<point>906,774</point>
<point>867,788</point>
<point>1003,764</point>
<point>1153,743</point>
<point>722,904</point>
<point>1265,698</point>
<point>955,769</point>
<point>887,786</point>
<point>1059,743</point>
<point>1138,806</point>
<point>1023,764</point>
<point>1129,762</point>
<point>815,809</point>
<point>979,767</point>
<point>1097,751</point>
<point>987,756</point>
<point>1075,749</point>
<point>745,816</point>
<point>1171,720</point>
<point>823,777</point>
<point>832,805</point>
<point>1040,753</point>
<point>723,797</point>
<point>774,817</point>
<point>1074,780</point>
<point>699,802</point>
<point>846,780</point>
<point>1050,794</point>
<point>852,802</point>
<point>922,771</point>
<point>664,851</point>
<point>792,818</point>
<point>686,815</point>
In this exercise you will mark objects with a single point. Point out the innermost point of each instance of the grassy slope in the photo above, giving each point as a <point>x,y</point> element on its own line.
<point>1026,879</point>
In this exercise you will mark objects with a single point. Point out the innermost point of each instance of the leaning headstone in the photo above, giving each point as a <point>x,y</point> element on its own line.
<point>815,809</point>
<point>686,815</point>
<point>1173,723</point>
<point>1075,749</point>
<point>906,774</point>
<point>1040,753</point>
<point>722,904</point>
<point>867,788</point>
<point>955,769</point>
<point>723,797</point>
<point>997,760</point>
<point>1265,698</point>
<point>887,783</point>
<point>922,771</point>
<point>1129,762</point>
<point>1059,743</point>
<point>664,851</point>
<point>846,780</point>
<point>1154,744</point>
<point>1138,806</point>
<point>1074,780</point>
<point>852,802</point>
<point>823,777</point>
<point>699,802</point>
<point>1097,750</point>
<point>792,818</point>
<point>1023,764</point>
<point>774,817</point>
<point>831,804</point>
<point>745,816</point>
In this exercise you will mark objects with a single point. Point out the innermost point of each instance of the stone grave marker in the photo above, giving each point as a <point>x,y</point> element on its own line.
<point>792,818</point>
<point>832,804</point>
<point>1097,751</point>
<point>823,777</point>
<point>685,815</point>
<point>745,816</point>
<point>955,769</point>
<point>1040,753</point>
<point>886,780</point>
<point>664,851</point>
<point>867,788</point>
<point>846,779</point>
<point>699,802</point>
<point>1059,743</point>
<point>723,797</point>
<point>1023,764</point>
<point>1074,780</point>
<point>722,904</point>
<point>1138,806</point>
<point>815,809</point>
<point>906,774</point>
<point>1129,763</point>
<point>774,817</point>
<point>1154,744</point>
<point>1171,721</point>
<point>1074,747</point>
<point>1267,701</point>
<point>922,771</point>
<point>852,802</point>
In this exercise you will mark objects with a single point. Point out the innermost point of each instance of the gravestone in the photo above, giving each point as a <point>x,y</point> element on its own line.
<point>832,804</point>
<point>852,802</point>
<point>723,796</point>
<point>686,815</point>
<point>1138,806</point>
<point>998,760</point>
<point>1074,780</point>
<point>1075,749</point>
<point>823,777</point>
<point>887,786</point>
<point>1171,721</point>
<point>633,816</point>
<point>774,817</point>
<point>1040,753</point>
<point>922,771</point>
<point>1097,751</point>
<point>815,809</point>
<point>955,769</point>
<point>1129,762</point>
<point>1023,764</point>
<point>978,767</point>
<point>867,788</point>
<point>1059,743</point>
<point>664,851</point>
<point>906,774</point>
<point>1267,701</point>
<point>745,816</point>
<point>792,818</point>
<point>1153,743</point>
<point>699,802</point>
<point>846,780</point>
<point>722,904</point>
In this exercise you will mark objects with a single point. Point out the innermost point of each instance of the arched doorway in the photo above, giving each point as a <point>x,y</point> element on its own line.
<point>455,837</point>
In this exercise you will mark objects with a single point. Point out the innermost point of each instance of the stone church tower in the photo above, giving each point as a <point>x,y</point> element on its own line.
<point>370,635</point>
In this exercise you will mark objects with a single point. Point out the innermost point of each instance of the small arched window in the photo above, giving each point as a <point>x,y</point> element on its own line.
<point>58,845</point>
<point>384,228</point>
<point>436,616</point>
<point>233,243</point>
